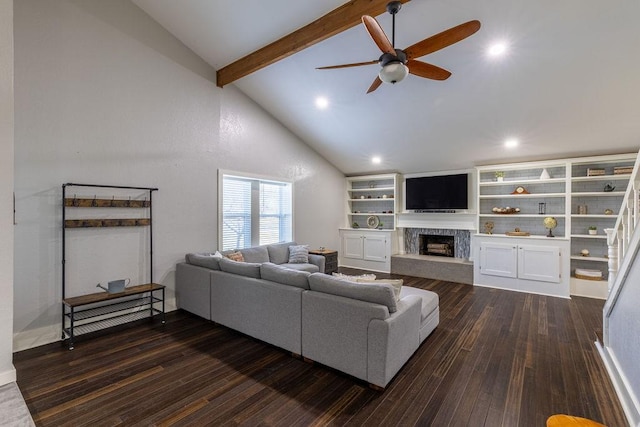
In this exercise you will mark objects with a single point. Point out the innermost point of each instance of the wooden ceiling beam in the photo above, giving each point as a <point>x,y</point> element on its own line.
<point>338,20</point>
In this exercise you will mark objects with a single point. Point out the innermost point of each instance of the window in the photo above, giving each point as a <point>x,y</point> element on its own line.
<point>254,211</point>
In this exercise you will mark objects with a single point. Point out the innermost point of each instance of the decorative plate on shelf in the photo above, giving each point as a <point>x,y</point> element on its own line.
<point>373,221</point>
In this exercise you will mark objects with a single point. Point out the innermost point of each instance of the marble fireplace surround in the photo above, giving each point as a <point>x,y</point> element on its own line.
<point>462,240</point>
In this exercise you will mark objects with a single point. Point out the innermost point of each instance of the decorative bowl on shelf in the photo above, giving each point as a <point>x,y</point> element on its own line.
<point>505,211</point>
<point>517,232</point>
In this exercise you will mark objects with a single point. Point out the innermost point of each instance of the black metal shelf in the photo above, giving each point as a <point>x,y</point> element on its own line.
<point>103,310</point>
<point>115,307</point>
<point>121,319</point>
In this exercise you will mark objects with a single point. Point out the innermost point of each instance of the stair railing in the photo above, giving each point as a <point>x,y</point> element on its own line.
<point>619,236</point>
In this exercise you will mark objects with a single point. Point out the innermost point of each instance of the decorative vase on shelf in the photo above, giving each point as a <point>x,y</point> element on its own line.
<point>545,174</point>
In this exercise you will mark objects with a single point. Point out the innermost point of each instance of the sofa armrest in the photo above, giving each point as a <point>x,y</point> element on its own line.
<point>193,289</point>
<point>392,341</point>
<point>334,330</point>
<point>317,260</point>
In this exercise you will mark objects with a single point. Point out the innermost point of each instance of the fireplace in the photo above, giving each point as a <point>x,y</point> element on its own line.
<point>431,244</point>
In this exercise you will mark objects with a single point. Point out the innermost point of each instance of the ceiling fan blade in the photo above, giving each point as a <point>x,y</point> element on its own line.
<point>357,64</point>
<point>442,40</point>
<point>375,85</point>
<point>377,34</point>
<point>428,71</point>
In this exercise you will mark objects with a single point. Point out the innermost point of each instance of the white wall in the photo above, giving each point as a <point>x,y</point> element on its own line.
<point>624,338</point>
<point>7,372</point>
<point>104,95</point>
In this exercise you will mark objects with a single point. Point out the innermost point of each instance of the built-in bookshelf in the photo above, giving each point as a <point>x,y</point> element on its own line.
<point>580,193</point>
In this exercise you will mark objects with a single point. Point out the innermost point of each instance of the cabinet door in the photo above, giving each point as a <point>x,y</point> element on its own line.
<point>540,263</point>
<point>352,246</point>
<point>375,248</point>
<point>499,259</point>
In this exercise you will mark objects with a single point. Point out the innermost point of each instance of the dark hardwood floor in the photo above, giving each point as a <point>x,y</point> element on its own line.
<point>498,358</point>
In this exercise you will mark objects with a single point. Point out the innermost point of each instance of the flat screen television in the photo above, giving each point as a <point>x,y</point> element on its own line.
<point>437,193</point>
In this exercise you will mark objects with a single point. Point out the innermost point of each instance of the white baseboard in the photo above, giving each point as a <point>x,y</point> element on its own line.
<point>52,333</point>
<point>36,337</point>
<point>8,376</point>
<point>629,403</point>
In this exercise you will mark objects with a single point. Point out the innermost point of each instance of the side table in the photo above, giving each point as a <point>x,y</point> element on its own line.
<point>330,259</point>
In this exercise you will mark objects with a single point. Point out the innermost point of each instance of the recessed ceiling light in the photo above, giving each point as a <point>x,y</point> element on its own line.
<point>497,49</point>
<point>322,103</point>
<point>511,143</point>
<point>376,160</point>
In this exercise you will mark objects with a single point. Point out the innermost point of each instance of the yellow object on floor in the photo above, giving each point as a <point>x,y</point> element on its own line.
<point>570,421</point>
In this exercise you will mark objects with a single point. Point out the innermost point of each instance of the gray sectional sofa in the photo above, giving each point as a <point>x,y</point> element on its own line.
<point>363,330</point>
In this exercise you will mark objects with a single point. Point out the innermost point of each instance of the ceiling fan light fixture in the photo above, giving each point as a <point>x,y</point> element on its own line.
<point>393,72</point>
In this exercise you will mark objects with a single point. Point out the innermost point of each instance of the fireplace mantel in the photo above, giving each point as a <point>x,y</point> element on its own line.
<point>453,221</point>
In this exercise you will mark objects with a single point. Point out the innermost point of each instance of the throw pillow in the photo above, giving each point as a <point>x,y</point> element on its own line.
<point>236,256</point>
<point>355,278</point>
<point>396,283</point>
<point>298,254</point>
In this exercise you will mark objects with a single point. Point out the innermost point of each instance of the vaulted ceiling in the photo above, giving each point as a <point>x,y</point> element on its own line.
<point>568,84</point>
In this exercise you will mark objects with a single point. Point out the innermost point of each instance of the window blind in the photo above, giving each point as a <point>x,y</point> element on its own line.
<point>255,212</point>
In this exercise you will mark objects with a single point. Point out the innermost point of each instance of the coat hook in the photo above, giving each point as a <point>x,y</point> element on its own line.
<point>94,202</point>
<point>113,199</point>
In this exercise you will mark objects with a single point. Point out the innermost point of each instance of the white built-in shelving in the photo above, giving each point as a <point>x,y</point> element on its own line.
<point>588,192</point>
<point>578,193</point>
<point>372,196</point>
<point>369,240</point>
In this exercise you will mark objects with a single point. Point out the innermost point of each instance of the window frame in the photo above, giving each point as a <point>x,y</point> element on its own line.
<point>255,210</point>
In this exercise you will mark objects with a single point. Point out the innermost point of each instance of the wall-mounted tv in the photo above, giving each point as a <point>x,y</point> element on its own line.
<point>437,193</point>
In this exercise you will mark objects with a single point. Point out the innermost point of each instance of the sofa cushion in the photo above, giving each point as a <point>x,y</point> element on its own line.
<point>279,252</point>
<point>235,256</point>
<point>396,283</point>
<point>248,269</point>
<point>311,268</point>
<point>255,254</point>
<point>284,275</point>
<point>204,260</point>
<point>371,292</point>
<point>430,300</point>
<point>298,254</point>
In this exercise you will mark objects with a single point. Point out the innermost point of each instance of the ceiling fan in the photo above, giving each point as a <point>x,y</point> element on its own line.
<point>397,63</point>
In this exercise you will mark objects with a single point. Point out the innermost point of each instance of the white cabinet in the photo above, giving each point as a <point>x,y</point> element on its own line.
<point>540,263</point>
<point>499,259</point>
<point>369,250</point>
<point>353,245</point>
<point>528,264</point>
<point>376,247</point>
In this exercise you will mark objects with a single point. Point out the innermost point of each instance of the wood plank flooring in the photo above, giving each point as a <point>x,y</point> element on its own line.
<point>498,358</point>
